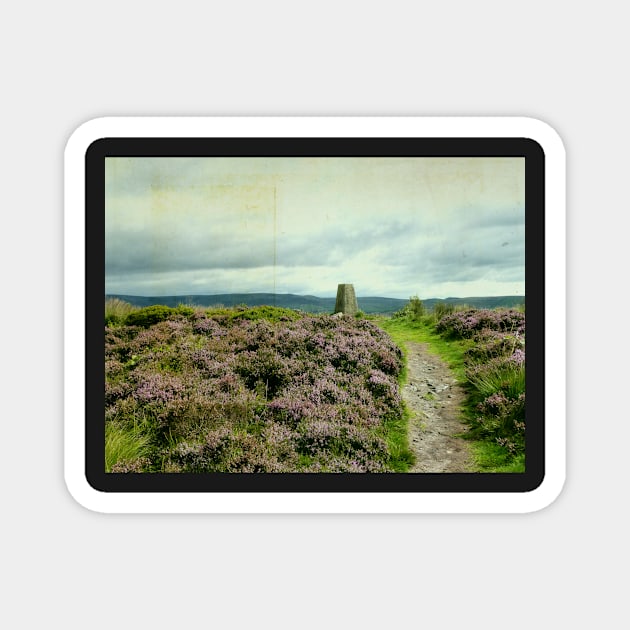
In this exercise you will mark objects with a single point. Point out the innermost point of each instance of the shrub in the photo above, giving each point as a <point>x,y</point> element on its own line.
<point>225,450</point>
<point>490,344</point>
<point>150,315</point>
<point>264,370</point>
<point>495,370</point>
<point>503,420</point>
<point>415,307</point>
<point>268,313</point>
<point>465,324</point>
<point>145,317</point>
<point>269,378</point>
<point>414,310</point>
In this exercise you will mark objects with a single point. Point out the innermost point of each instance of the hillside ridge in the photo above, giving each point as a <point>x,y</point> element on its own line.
<point>311,303</point>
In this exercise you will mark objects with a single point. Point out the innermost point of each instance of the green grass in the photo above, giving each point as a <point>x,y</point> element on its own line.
<point>270,313</point>
<point>402,457</point>
<point>149,315</point>
<point>507,379</point>
<point>123,445</point>
<point>116,311</point>
<point>403,331</point>
<point>490,457</point>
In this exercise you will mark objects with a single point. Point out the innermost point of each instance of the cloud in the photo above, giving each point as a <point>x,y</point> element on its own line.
<point>185,226</point>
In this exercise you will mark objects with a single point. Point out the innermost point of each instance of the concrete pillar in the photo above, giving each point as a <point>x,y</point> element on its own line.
<point>346,302</point>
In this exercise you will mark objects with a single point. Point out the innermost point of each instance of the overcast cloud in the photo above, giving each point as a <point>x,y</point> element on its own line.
<point>393,227</point>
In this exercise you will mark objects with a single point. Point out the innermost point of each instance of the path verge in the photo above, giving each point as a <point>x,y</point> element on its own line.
<point>434,399</point>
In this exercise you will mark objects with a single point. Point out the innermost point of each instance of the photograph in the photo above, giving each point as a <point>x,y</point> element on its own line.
<point>314,314</point>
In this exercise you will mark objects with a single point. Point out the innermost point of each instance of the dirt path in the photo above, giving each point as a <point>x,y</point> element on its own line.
<point>434,397</point>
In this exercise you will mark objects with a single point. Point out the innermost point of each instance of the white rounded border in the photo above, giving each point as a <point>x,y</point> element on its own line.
<point>74,305</point>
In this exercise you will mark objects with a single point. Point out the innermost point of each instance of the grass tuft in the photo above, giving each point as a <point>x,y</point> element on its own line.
<point>124,447</point>
<point>116,311</point>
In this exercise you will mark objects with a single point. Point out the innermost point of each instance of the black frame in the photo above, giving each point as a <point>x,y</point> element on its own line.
<point>315,147</point>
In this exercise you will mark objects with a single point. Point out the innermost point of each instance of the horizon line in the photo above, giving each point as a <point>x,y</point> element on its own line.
<point>184,295</point>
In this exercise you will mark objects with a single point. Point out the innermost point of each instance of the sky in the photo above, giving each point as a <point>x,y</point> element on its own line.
<point>392,227</point>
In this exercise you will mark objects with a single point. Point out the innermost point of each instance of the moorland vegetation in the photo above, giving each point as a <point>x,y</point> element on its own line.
<point>269,389</point>
<point>486,350</point>
<point>242,389</point>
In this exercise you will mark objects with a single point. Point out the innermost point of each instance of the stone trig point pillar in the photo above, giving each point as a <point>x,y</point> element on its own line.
<point>346,300</point>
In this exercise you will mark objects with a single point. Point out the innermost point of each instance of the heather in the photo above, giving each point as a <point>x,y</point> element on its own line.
<point>469,322</point>
<point>495,372</point>
<point>251,390</point>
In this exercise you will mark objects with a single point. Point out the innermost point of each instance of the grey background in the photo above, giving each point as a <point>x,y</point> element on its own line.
<point>67,62</point>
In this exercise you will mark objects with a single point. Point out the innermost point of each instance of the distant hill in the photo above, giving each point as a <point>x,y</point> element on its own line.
<point>312,304</point>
